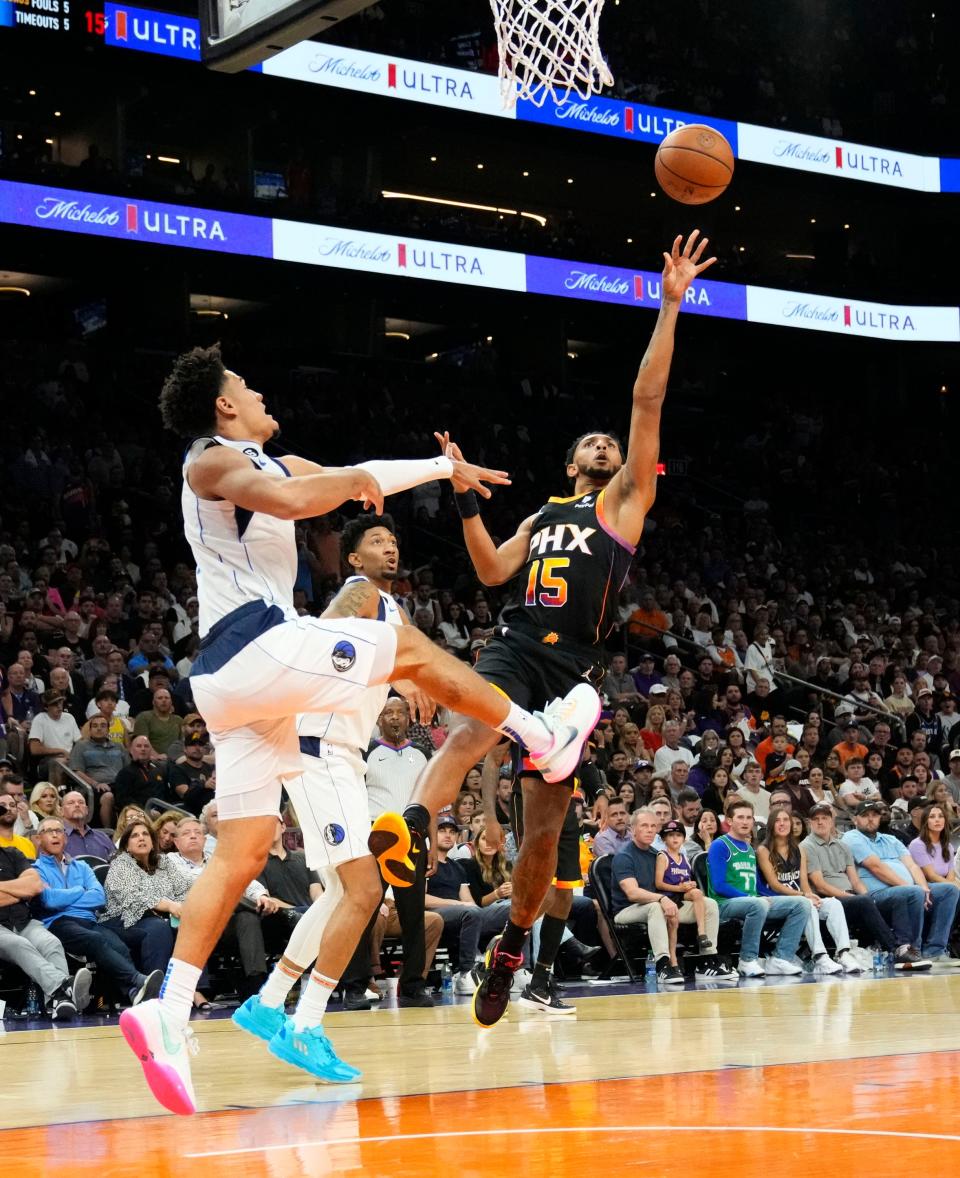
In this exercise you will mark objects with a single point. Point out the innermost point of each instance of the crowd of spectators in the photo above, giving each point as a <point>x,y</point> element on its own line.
<point>767,652</point>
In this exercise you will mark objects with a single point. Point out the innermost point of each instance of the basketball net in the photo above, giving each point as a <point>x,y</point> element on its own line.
<point>549,48</point>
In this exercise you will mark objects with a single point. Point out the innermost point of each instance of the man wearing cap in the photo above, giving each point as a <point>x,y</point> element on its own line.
<point>894,881</point>
<point>925,719</point>
<point>671,750</point>
<point>850,745</point>
<point>614,836</point>
<point>197,771</point>
<point>645,674</point>
<point>751,788</point>
<point>53,734</point>
<point>952,779</point>
<point>723,653</point>
<point>832,873</point>
<point>907,831</point>
<point>800,799</point>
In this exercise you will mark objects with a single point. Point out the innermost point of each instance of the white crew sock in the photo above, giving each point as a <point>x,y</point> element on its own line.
<point>527,730</point>
<point>313,1001</point>
<point>177,991</point>
<point>282,979</point>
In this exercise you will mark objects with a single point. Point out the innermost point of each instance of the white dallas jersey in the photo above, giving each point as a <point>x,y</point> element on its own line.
<point>241,555</point>
<point>351,732</point>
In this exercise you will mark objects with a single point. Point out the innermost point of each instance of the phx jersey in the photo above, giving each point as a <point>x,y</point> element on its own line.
<point>575,569</point>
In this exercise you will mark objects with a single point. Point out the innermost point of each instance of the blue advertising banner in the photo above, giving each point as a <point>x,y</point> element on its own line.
<point>625,120</point>
<point>42,207</point>
<point>165,33</point>
<point>39,206</point>
<point>630,288</point>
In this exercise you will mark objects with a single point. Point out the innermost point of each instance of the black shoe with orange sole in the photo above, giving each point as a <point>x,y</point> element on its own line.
<point>492,997</point>
<point>395,847</point>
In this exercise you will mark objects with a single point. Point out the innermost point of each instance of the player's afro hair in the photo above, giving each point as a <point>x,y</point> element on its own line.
<point>188,397</point>
<point>355,529</point>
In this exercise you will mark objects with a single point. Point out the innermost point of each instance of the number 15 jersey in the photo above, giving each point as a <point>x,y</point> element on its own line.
<point>575,568</point>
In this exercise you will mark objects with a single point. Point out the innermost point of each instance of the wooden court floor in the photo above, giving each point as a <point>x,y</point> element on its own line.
<point>844,1077</point>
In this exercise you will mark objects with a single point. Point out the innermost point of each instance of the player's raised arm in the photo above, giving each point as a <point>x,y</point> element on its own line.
<point>494,565</point>
<point>224,473</point>
<point>403,474</point>
<point>632,490</point>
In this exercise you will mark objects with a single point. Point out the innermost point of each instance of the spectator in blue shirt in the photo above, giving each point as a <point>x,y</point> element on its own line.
<point>894,882</point>
<point>68,907</point>
<point>732,875</point>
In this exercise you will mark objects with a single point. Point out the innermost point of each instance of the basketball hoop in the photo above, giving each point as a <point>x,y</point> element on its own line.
<point>549,48</point>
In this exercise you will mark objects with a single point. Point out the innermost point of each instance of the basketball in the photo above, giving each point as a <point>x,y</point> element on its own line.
<point>694,164</point>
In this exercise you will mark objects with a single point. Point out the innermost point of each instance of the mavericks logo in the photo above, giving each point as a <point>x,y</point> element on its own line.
<point>344,655</point>
<point>334,834</point>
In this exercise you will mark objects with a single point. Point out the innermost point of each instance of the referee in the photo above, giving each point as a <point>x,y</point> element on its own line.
<point>393,767</point>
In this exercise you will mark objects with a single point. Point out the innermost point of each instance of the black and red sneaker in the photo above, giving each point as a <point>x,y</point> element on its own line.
<point>492,997</point>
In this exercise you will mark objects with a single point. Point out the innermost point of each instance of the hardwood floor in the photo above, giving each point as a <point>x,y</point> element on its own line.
<point>781,1075</point>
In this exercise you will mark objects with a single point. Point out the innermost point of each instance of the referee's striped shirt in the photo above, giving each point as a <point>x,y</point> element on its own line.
<point>391,775</point>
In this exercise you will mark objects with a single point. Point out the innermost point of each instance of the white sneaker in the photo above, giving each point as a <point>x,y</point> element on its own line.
<point>463,983</point>
<point>750,969</point>
<point>849,963</point>
<point>781,966</point>
<point>570,720</point>
<point>164,1052</point>
<point>825,964</point>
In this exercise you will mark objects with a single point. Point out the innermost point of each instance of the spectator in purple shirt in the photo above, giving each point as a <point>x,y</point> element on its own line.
<point>82,839</point>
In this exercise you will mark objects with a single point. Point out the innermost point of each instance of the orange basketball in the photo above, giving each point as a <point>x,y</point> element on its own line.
<point>694,164</point>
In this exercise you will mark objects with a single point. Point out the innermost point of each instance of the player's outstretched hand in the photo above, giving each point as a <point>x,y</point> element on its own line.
<point>447,448</point>
<point>367,490</point>
<point>466,476</point>
<point>680,268</point>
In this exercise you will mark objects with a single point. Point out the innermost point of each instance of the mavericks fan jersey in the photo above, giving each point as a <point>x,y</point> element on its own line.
<point>575,569</point>
<point>350,732</point>
<point>241,555</point>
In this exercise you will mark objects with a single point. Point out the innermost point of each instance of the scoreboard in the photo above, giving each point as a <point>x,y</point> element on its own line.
<point>80,20</point>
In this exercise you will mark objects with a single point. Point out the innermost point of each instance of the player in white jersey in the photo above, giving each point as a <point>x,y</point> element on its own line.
<point>330,799</point>
<point>260,664</point>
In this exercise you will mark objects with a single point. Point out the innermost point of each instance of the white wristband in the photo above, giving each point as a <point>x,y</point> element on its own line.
<point>403,473</point>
